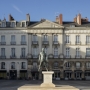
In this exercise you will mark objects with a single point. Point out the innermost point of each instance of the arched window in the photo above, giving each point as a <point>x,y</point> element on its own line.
<point>2,65</point>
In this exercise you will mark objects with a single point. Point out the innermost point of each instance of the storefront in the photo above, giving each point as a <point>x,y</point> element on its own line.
<point>3,74</point>
<point>23,74</point>
<point>78,74</point>
<point>87,74</point>
<point>56,75</point>
<point>67,74</point>
<point>13,74</point>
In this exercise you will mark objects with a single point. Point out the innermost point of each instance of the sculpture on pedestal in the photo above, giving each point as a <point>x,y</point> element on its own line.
<point>43,60</point>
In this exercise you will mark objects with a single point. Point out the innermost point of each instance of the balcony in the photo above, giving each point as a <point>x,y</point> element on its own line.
<point>67,67</point>
<point>56,56</point>
<point>35,56</point>
<point>68,42</point>
<point>22,57</point>
<point>3,43</point>
<point>23,42</point>
<point>67,56</point>
<point>87,43</point>
<point>78,43</point>
<point>34,42</point>
<point>55,43</point>
<point>13,43</point>
<point>45,42</point>
<point>87,56</point>
<point>12,57</point>
<point>78,56</point>
<point>3,57</point>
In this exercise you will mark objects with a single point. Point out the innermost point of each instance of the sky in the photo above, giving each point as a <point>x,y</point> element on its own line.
<point>47,9</point>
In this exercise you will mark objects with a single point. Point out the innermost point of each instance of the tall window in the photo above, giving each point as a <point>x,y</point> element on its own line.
<point>13,24</point>
<point>45,49</point>
<point>67,39</point>
<point>2,52</point>
<point>3,24</point>
<point>23,52</point>
<point>23,24</point>
<point>2,65</point>
<point>3,38</point>
<point>87,39</point>
<point>12,38</point>
<point>55,65</point>
<point>77,39</point>
<point>88,64</point>
<point>13,52</point>
<point>45,38</point>
<point>55,51</point>
<point>23,38</point>
<point>67,52</point>
<point>35,51</point>
<point>88,52</point>
<point>23,65</point>
<point>34,37</point>
<point>55,37</point>
<point>77,64</point>
<point>77,52</point>
<point>12,65</point>
<point>67,64</point>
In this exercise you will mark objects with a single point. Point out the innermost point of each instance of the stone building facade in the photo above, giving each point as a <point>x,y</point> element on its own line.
<point>67,45</point>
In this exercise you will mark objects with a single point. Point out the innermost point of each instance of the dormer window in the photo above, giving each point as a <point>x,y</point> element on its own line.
<point>3,24</point>
<point>13,24</point>
<point>23,24</point>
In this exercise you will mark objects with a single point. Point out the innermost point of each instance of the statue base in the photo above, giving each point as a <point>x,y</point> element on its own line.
<point>47,84</point>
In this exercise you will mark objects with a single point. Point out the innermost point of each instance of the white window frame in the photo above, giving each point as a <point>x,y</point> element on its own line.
<point>23,65</point>
<point>2,51</point>
<point>55,51</point>
<point>3,24</point>
<point>55,38</point>
<point>2,38</point>
<point>67,38</point>
<point>34,37</point>
<point>35,51</point>
<point>12,38</point>
<point>78,65</point>
<point>13,24</point>
<point>13,52</point>
<point>67,52</point>
<point>87,38</point>
<point>13,64</point>
<point>88,64</point>
<point>23,38</point>
<point>23,50</point>
<point>88,52</point>
<point>77,52</point>
<point>77,38</point>
<point>2,65</point>
<point>45,37</point>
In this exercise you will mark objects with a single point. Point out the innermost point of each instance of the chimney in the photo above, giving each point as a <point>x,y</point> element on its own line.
<point>79,19</point>
<point>11,18</point>
<point>27,17</point>
<point>60,19</point>
<point>57,19</point>
<point>75,19</point>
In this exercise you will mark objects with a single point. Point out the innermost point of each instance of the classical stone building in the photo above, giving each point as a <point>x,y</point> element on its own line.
<point>67,45</point>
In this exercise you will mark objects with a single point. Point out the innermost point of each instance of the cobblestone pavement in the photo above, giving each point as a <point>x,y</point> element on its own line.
<point>14,84</point>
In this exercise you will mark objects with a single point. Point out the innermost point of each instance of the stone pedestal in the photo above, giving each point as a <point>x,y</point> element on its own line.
<point>47,79</point>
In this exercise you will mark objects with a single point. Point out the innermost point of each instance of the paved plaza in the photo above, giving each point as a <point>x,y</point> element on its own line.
<point>14,84</point>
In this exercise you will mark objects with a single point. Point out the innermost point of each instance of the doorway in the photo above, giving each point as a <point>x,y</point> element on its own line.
<point>35,75</point>
<point>13,74</point>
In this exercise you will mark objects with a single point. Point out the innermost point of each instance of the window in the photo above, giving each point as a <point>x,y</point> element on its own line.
<point>12,38</point>
<point>45,49</point>
<point>12,65</point>
<point>13,52</point>
<point>13,24</point>
<point>34,37</point>
<point>34,51</point>
<point>67,39</point>
<point>88,64</point>
<point>3,38</point>
<point>55,37</point>
<point>2,65</point>
<point>77,52</point>
<point>2,52</point>
<point>77,64</point>
<point>45,37</point>
<point>67,52</point>
<point>67,64</point>
<point>3,24</point>
<point>87,39</point>
<point>34,65</point>
<point>77,39</point>
<point>88,52</point>
<point>56,65</point>
<point>23,24</point>
<point>55,51</point>
<point>23,52</point>
<point>23,38</point>
<point>23,65</point>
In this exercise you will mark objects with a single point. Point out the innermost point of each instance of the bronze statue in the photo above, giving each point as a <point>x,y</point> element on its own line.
<point>43,60</point>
